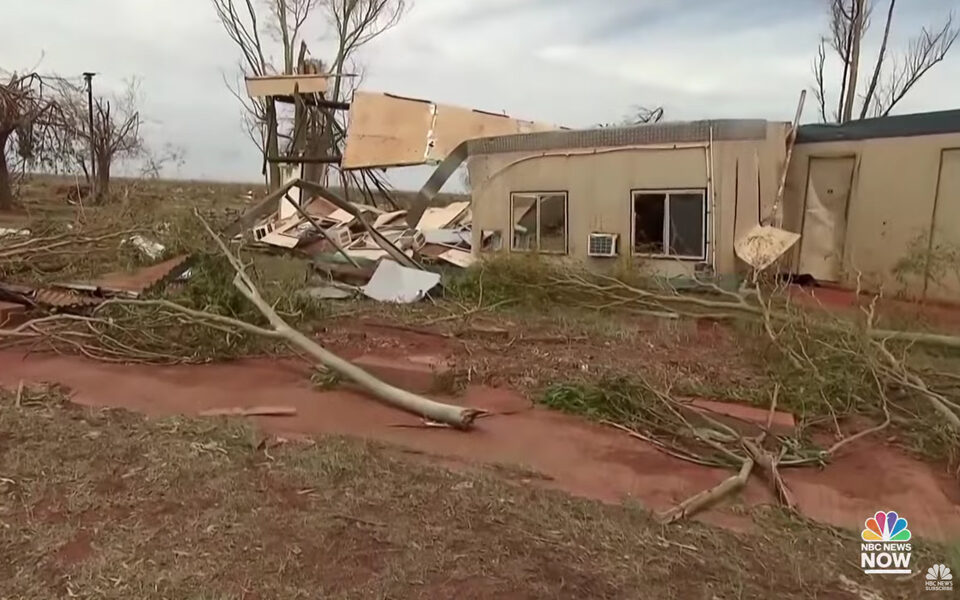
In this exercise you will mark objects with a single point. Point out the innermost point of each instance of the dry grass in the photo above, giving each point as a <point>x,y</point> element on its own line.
<point>105,504</point>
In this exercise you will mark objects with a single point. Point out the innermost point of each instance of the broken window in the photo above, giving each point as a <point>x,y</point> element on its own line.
<point>670,223</point>
<point>539,222</point>
<point>491,240</point>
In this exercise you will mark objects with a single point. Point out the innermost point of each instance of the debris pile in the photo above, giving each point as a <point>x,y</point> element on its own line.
<point>361,249</point>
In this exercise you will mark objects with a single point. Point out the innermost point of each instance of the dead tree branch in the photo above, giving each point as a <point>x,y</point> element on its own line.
<point>455,416</point>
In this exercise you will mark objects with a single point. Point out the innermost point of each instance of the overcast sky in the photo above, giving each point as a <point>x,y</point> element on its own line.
<point>571,62</point>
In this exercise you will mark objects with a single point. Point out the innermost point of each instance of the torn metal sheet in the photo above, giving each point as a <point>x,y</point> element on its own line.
<point>763,245</point>
<point>395,283</point>
<point>444,171</point>
<point>460,258</point>
<point>138,281</point>
<point>391,131</point>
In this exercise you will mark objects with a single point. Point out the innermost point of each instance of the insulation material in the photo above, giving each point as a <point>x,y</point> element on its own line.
<point>394,283</point>
<point>763,245</point>
<point>391,131</point>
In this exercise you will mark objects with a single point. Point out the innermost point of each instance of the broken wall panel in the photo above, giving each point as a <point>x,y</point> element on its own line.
<point>391,131</point>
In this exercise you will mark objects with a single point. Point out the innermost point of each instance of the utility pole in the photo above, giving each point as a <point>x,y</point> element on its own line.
<point>88,78</point>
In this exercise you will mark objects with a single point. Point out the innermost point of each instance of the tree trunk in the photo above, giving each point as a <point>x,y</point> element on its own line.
<point>856,27</point>
<point>102,187</point>
<point>273,147</point>
<point>6,181</point>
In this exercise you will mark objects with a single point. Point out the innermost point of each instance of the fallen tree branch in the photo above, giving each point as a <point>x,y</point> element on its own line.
<point>455,416</point>
<point>698,502</point>
<point>769,464</point>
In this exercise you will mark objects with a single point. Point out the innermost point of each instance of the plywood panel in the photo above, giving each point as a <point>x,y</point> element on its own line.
<point>453,125</point>
<point>284,85</point>
<point>387,131</point>
<point>943,277</point>
<point>825,218</point>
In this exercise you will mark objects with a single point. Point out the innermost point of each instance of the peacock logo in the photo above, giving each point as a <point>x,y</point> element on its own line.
<point>886,527</point>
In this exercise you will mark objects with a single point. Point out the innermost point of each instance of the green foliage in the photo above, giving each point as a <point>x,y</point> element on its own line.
<point>938,263</point>
<point>519,278</point>
<point>616,399</point>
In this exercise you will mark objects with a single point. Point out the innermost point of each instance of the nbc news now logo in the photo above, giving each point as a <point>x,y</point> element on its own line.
<point>885,547</point>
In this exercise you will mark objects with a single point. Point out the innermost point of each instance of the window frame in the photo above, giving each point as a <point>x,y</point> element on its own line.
<point>667,192</point>
<point>539,195</point>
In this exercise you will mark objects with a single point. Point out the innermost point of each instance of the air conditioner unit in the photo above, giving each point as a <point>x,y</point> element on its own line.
<point>602,244</point>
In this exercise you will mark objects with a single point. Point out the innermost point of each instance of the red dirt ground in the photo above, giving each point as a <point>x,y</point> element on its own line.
<point>563,452</point>
<point>942,315</point>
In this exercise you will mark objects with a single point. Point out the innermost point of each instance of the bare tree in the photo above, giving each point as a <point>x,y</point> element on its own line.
<point>29,127</point>
<point>354,23</point>
<point>892,77</point>
<point>639,115</point>
<point>116,133</point>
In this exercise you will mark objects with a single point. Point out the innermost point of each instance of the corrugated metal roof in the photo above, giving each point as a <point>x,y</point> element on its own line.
<point>611,137</point>
<point>61,298</point>
<point>931,123</point>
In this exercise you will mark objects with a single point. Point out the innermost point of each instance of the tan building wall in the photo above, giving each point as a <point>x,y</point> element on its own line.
<point>599,184</point>
<point>900,191</point>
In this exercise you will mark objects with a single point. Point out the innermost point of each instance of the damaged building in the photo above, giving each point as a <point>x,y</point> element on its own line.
<point>875,201</point>
<point>670,195</point>
<point>881,198</point>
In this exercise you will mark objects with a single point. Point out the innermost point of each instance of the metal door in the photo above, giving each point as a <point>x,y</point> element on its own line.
<point>825,217</point>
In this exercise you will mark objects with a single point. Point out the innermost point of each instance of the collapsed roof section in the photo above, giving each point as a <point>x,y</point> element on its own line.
<point>392,131</point>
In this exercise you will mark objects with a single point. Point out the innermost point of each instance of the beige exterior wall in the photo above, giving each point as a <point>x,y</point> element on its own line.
<point>892,202</point>
<point>599,182</point>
